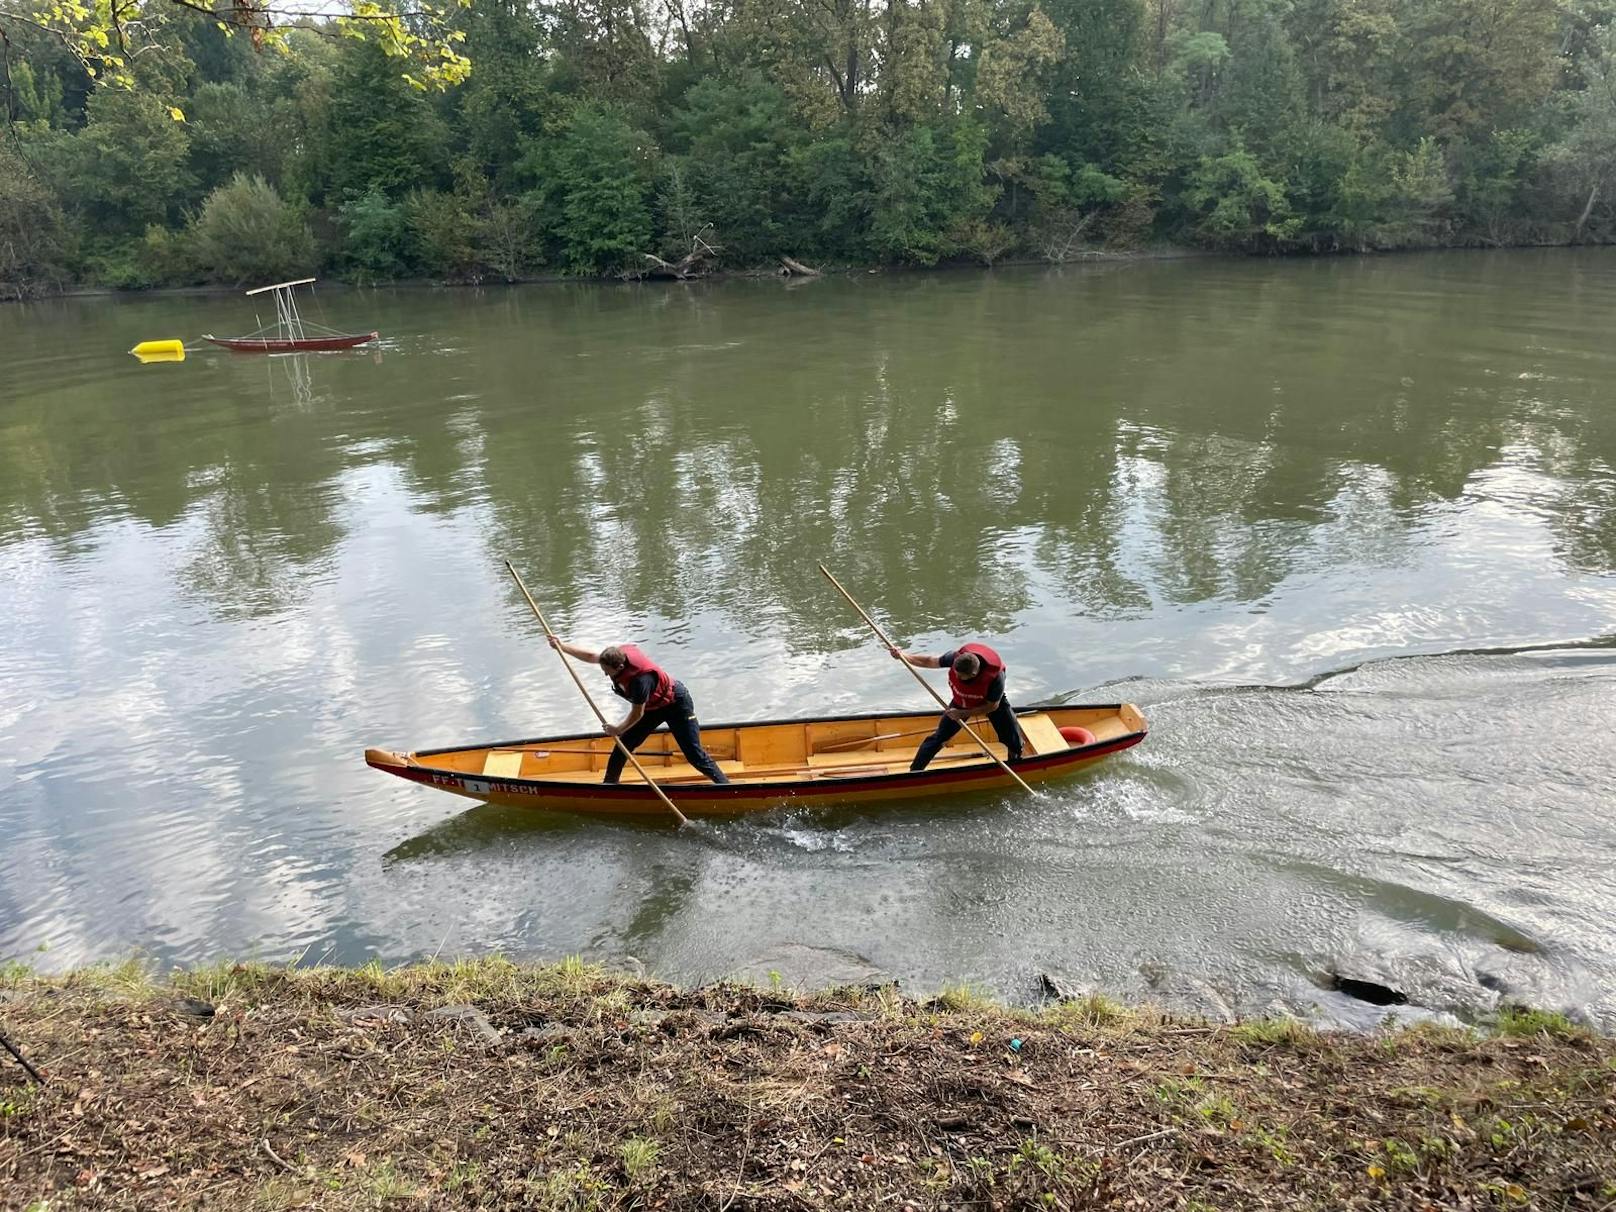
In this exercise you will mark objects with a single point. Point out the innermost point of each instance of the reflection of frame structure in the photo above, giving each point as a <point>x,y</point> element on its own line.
<point>299,375</point>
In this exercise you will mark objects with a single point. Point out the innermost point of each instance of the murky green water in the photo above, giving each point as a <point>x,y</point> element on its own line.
<point>1350,524</point>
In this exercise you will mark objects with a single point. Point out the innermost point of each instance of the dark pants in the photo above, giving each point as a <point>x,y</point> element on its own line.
<point>1003,720</point>
<point>680,717</point>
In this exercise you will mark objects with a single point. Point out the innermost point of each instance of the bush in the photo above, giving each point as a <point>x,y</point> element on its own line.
<point>377,236</point>
<point>1240,207</point>
<point>248,233</point>
<point>443,233</point>
<point>507,241</point>
<point>166,258</point>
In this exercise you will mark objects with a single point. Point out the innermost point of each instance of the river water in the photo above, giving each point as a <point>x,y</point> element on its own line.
<point>1344,529</point>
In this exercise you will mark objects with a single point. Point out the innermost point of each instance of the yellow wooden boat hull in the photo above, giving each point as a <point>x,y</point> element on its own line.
<point>833,760</point>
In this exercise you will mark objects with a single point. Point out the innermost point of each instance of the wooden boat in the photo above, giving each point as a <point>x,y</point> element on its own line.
<point>833,760</point>
<point>290,333</point>
<point>293,345</point>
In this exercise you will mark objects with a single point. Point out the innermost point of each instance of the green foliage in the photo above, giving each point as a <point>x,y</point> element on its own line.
<point>376,244</point>
<point>1239,206</point>
<point>834,196</point>
<point>929,189</point>
<point>909,133</point>
<point>33,233</point>
<point>381,134</point>
<point>35,97</point>
<point>599,190</point>
<point>442,233</point>
<point>506,98</point>
<point>1493,173</point>
<point>1262,91</point>
<point>127,167</point>
<point>106,38</point>
<point>730,140</point>
<point>1099,102</point>
<point>246,232</point>
<point>229,135</point>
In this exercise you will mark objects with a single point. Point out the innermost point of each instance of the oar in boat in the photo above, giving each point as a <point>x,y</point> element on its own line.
<point>930,689</point>
<point>588,698</point>
<point>855,742</point>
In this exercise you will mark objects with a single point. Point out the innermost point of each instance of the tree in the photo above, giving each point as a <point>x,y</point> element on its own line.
<point>127,167</point>
<point>381,134</point>
<point>1476,65</point>
<point>1390,199</point>
<point>1067,203</point>
<point>1097,95</point>
<point>1347,52</point>
<point>33,234</point>
<point>730,139</point>
<point>830,199</point>
<point>34,98</point>
<point>1012,75</point>
<point>246,232</point>
<point>606,51</point>
<point>822,53</point>
<point>107,37</point>
<point>1493,173</point>
<point>1581,166</point>
<point>507,97</point>
<point>1261,96</point>
<point>929,190</point>
<point>598,190</point>
<point>229,134</point>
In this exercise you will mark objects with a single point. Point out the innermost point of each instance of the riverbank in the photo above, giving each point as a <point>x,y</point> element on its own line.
<point>487,1084</point>
<point>1096,256</point>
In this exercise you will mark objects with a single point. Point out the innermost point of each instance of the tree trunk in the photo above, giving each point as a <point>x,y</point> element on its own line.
<point>1582,220</point>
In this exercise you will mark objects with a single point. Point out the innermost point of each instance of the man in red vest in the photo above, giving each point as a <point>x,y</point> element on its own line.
<point>976,676</point>
<point>655,699</point>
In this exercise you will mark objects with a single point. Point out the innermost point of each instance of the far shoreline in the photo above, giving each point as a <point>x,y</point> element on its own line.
<point>1097,257</point>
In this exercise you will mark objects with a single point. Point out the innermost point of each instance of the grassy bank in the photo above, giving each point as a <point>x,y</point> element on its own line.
<point>487,1084</point>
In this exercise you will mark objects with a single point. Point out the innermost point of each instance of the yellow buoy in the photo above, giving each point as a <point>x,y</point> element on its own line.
<point>160,350</point>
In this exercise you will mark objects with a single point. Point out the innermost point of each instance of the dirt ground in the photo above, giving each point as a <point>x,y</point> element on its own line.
<point>490,1085</point>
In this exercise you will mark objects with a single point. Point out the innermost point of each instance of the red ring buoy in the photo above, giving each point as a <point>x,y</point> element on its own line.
<point>1076,737</point>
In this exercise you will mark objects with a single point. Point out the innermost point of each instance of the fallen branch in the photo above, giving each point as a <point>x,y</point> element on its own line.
<point>276,1157</point>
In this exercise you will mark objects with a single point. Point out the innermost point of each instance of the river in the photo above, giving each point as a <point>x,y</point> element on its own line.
<point>1344,529</point>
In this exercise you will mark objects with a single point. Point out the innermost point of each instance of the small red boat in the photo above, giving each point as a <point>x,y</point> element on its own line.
<point>290,333</point>
<point>293,344</point>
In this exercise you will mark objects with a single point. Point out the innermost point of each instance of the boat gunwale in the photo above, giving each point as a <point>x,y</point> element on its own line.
<point>816,719</point>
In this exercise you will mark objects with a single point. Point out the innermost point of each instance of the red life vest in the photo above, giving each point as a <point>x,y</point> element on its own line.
<point>974,693</point>
<point>661,694</point>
